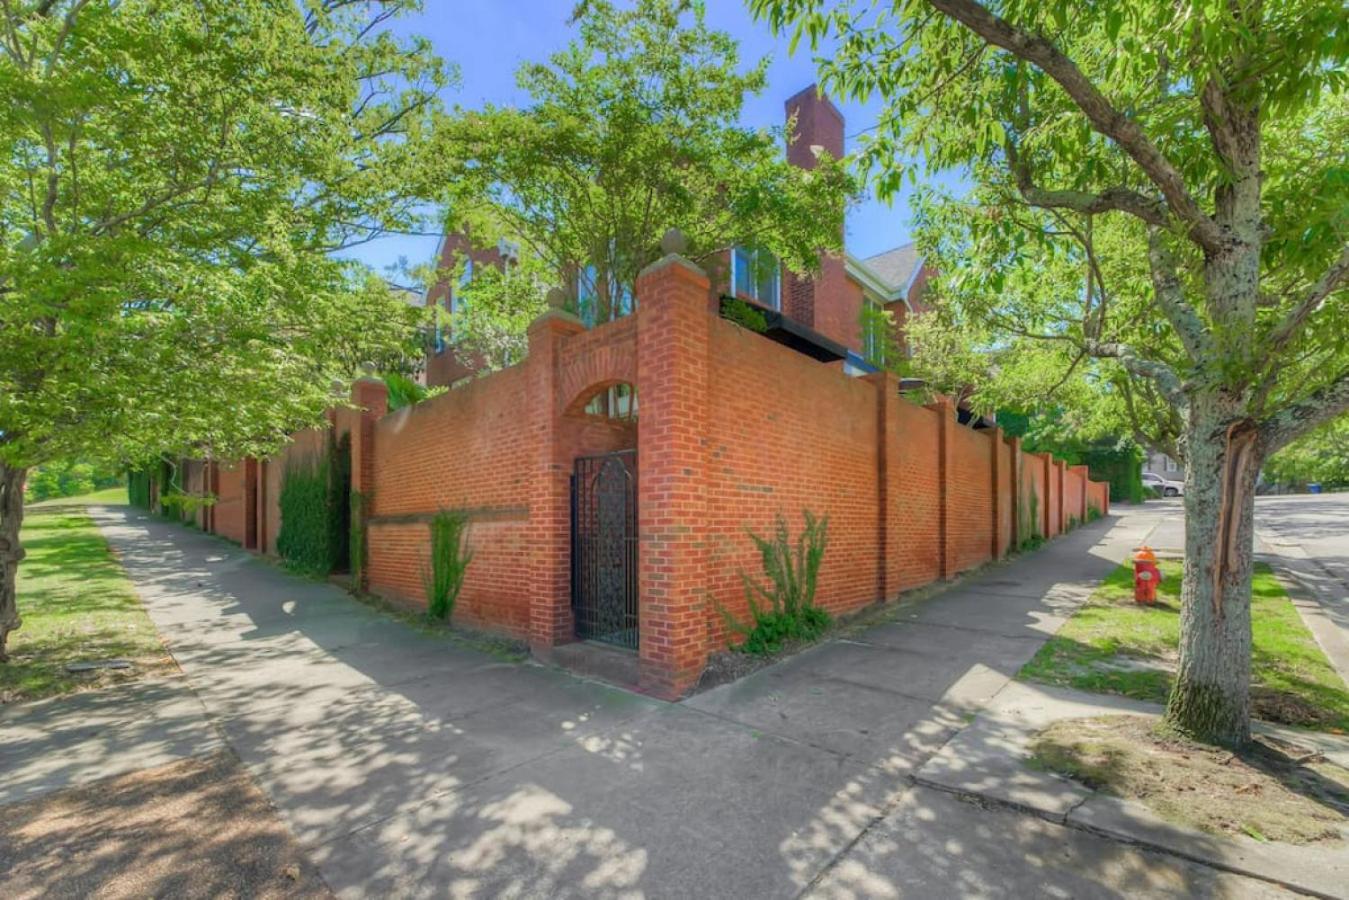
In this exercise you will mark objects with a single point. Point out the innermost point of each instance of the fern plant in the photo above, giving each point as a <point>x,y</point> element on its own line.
<point>450,555</point>
<point>783,609</point>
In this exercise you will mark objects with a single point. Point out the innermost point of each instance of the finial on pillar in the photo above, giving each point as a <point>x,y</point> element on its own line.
<point>556,311</point>
<point>673,242</point>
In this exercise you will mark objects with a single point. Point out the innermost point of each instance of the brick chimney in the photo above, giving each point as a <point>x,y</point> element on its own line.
<point>813,301</point>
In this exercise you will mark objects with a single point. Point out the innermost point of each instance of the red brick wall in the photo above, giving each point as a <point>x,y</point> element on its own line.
<point>971,493</point>
<point>1006,499</point>
<point>1033,494</point>
<point>782,437</point>
<point>1074,491</point>
<point>228,512</point>
<point>913,514</point>
<point>466,450</point>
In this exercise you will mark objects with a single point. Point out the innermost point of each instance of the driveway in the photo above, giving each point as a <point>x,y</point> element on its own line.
<point>407,766</point>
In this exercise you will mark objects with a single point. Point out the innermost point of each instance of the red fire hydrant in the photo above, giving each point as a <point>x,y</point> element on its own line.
<point>1146,576</point>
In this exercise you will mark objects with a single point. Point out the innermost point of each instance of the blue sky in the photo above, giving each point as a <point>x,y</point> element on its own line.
<point>488,39</point>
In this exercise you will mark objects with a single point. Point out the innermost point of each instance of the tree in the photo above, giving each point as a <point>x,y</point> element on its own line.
<point>629,131</point>
<point>174,179</point>
<point>1204,144</point>
<point>1320,456</point>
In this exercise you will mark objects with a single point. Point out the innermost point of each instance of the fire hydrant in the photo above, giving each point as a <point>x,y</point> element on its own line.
<point>1146,576</point>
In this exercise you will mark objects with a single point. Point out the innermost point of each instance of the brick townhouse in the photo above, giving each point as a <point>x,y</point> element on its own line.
<point>823,311</point>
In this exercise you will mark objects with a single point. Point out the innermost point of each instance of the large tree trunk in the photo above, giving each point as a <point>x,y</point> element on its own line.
<point>1210,699</point>
<point>11,553</point>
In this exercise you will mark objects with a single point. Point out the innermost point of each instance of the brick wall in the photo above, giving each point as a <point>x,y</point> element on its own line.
<point>783,437</point>
<point>913,510</point>
<point>465,450</point>
<point>732,429</point>
<point>970,493</point>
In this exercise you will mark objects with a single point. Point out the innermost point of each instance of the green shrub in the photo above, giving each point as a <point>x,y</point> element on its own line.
<point>450,555</point>
<point>1093,511</point>
<point>792,571</point>
<point>743,314</point>
<point>316,510</point>
<point>138,488</point>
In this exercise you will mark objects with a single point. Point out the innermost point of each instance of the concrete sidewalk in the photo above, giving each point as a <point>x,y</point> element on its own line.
<point>410,766</point>
<point>990,761</point>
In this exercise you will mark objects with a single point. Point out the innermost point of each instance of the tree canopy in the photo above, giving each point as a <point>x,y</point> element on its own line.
<point>175,177</point>
<point>630,130</point>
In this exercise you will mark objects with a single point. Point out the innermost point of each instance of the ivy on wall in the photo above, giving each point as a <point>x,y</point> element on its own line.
<point>316,510</point>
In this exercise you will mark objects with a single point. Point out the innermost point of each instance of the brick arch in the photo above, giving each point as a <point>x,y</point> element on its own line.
<point>594,369</point>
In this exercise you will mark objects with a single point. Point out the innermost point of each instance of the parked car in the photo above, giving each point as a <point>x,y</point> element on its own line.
<point>1162,486</point>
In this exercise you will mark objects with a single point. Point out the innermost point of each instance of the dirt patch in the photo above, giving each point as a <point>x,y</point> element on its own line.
<point>1287,708</point>
<point>1272,790</point>
<point>197,828</point>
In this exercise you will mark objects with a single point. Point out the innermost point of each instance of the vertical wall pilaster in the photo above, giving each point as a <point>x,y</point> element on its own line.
<point>998,480</point>
<point>1080,473</point>
<point>1047,467</point>
<point>371,398</point>
<point>672,382</point>
<point>550,617</point>
<point>887,393</point>
<point>1060,469</point>
<point>946,424</point>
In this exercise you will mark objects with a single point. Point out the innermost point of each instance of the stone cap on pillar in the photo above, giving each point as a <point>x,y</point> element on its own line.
<point>673,246</point>
<point>371,394</point>
<point>556,317</point>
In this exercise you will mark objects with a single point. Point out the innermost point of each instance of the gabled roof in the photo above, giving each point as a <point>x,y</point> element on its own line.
<point>895,267</point>
<point>889,274</point>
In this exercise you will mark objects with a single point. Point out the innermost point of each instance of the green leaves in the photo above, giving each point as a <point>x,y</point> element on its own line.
<point>174,179</point>
<point>632,129</point>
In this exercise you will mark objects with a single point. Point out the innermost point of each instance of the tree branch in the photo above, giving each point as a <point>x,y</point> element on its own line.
<point>1170,297</point>
<point>1161,374</point>
<point>1296,419</point>
<point>1103,116</point>
<point>1288,329</point>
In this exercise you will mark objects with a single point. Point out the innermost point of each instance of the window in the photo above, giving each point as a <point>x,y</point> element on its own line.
<point>877,333</point>
<point>1172,465</point>
<point>465,278</point>
<point>756,275</point>
<point>600,300</point>
<point>616,402</point>
<point>438,329</point>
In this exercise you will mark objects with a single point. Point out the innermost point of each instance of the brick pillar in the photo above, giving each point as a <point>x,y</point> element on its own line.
<point>550,618</point>
<point>1060,468</point>
<point>999,479</point>
<point>251,504</point>
<point>1047,464</point>
<point>887,394</point>
<point>672,381</point>
<point>1080,473</point>
<point>946,419</point>
<point>370,396</point>
<point>210,487</point>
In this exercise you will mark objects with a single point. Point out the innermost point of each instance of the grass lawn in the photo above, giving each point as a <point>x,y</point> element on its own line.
<point>76,604</point>
<point>1115,646</point>
<point>113,496</point>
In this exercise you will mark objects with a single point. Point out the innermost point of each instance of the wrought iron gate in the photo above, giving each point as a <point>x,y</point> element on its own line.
<point>604,548</point>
